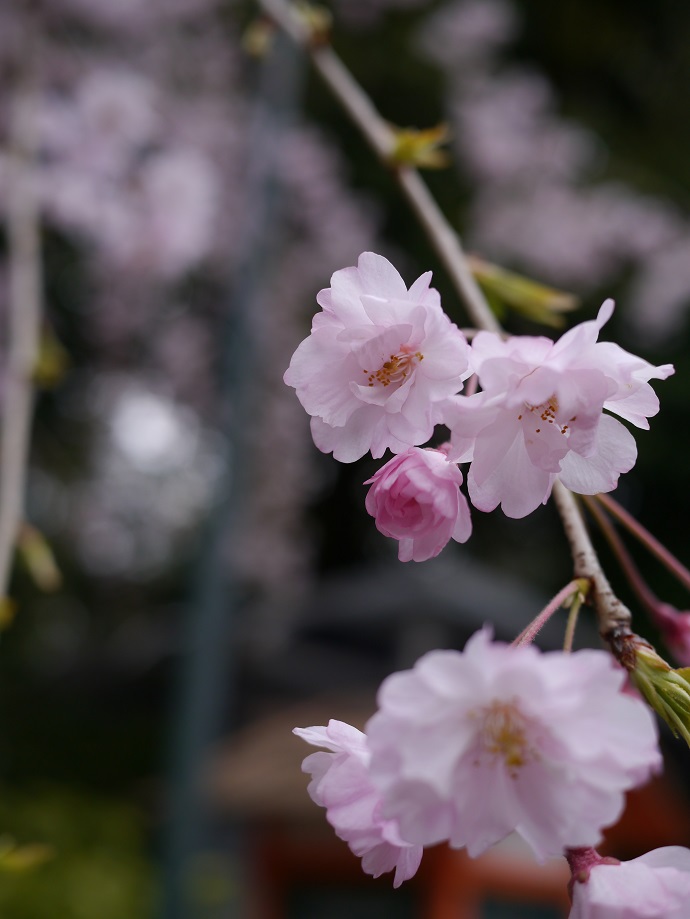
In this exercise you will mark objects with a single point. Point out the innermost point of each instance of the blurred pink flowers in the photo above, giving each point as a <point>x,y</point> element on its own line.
<point>469,747</point>
<point>416,499</point>
<point>340,783</point>
<point>540,415</point>
<point>654,886</point>
<point>379,361</point>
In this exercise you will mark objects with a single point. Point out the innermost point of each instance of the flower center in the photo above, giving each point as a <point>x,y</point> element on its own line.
<point>504,735</point>
<point>544,414</point>
<point>396,368</point>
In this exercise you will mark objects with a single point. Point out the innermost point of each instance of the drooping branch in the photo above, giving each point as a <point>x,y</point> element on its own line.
<point>613,616</point>
<point>381,138</point>
<point>23,326</point>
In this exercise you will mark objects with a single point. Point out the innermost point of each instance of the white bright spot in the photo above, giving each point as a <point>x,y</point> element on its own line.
<point>152,433</point>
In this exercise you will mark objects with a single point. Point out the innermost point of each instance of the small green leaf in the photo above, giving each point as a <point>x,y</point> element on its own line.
<point>258,37</point>
<point>37,556</point>
<point>15,859</point>
<point>529,298</point>
<point>665,689</point>
<point>317,19</point>
<point>8,610</point>
<point>420,148</point>
<point>52,362</point>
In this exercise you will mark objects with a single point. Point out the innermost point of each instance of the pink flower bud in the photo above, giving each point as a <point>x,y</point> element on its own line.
<point>416,499</point>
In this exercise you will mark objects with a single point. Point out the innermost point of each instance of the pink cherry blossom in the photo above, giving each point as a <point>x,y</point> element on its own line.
<point>540,416</point>
<point>416,499</point>
<point>378,362</point>
<point>654,886</point>
<point>469,747</point>
<point>340,783</point>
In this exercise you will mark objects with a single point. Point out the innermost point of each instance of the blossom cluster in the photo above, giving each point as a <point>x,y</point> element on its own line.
<point>384,365</point>
<point>468,747</point>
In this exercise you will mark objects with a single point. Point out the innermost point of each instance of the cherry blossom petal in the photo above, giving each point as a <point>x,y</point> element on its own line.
<point>512,480</point>
<point>616,452</point>
<point>340,782</point>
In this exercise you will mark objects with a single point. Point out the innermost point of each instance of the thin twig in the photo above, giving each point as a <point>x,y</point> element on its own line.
<point>25,285</point>
<point>381,137</point>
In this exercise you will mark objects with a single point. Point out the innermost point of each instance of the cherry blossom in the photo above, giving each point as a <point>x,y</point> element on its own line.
<point>469,747</point>
<point>415,498</point>
<point>340,783</point>
<point>378,363</point>
<point>654,886</point>
<point>541,415</point>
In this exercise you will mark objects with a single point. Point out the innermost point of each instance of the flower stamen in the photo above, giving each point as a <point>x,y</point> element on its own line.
<point>395,369</point>
<point>503,735</point>
<point>546,412</point>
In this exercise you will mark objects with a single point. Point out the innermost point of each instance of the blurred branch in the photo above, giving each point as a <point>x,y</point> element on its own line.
<point>383,140</point>
<point>25,286</point>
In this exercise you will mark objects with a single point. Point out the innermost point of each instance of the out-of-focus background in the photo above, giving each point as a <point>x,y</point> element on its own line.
<point>219,579</point>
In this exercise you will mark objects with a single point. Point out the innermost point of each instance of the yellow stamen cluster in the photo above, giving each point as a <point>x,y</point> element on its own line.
<point>503,735</point>
<point>395,369</point>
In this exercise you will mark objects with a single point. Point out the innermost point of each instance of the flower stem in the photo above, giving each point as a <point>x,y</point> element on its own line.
<point>571,624</point>
<point>645,537</point>
<point>381,138</point>
<point>574,589</point>
<point>581,861</point>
